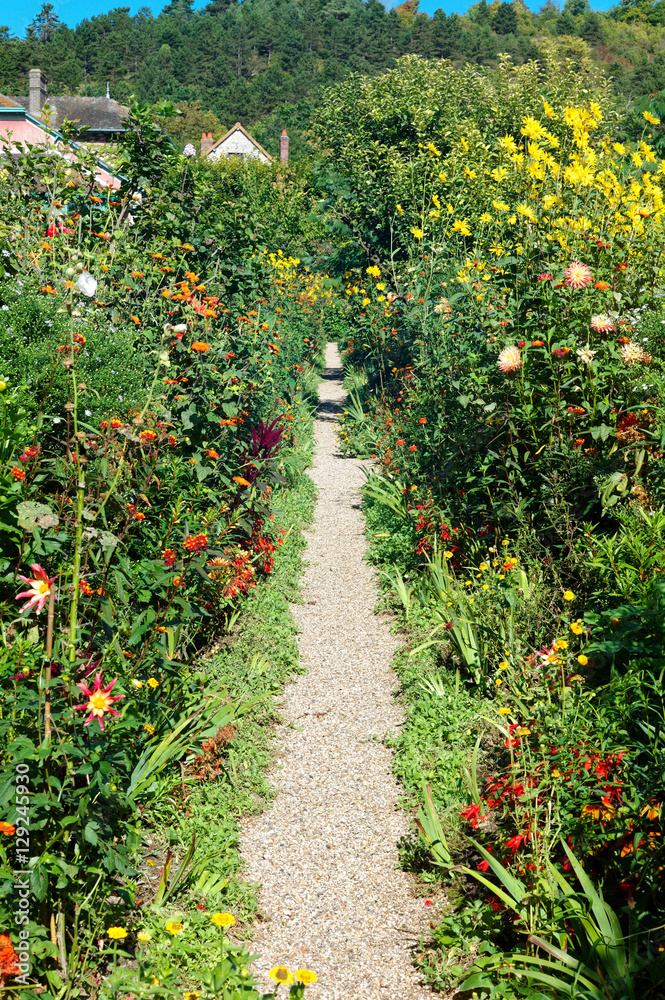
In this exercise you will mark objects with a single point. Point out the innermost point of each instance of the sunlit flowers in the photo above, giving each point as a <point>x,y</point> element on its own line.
<point>40,589</point>
<point>223,919</point>
<point>201,346</point>
<point>99,700</point>
<point>461,226</point>
<point>568,595</point>
<point>648,117</point>
<point>86,284</point>
<point>194,543</point>
<point>7,829</point>
<point>509,360</point>
<point>117,933</point>
<point>418,233</point>
<point>586,355</point>
<point>601,323</point>
<point>168,555</point>
<point>633,354</point>
<point>577,275</point>
<point>280,974</point>
<point>174,927</point>
<point>305,976</point>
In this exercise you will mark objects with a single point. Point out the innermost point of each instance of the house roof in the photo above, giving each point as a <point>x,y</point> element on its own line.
<point>238,128</point>
<point>99,114</point>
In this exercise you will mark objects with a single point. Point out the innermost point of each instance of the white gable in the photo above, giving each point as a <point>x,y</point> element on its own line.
<point>237,144</point>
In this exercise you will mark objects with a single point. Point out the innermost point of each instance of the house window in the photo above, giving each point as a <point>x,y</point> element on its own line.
<point>236,156</point>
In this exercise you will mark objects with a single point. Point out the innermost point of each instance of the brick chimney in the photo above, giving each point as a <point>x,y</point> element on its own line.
<point>284,147</point>
<point>207,142</point>
<point>37,98</point>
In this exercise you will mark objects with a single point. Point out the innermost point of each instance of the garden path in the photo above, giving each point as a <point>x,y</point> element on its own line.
<point>325,854</point>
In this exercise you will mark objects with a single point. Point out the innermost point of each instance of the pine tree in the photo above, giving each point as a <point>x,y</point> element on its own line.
<point>45,24</point>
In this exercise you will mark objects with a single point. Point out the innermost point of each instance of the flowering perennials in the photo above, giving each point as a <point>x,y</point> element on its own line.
<point>99,700</point>
<point>40,589</point>
<point>194,543</point>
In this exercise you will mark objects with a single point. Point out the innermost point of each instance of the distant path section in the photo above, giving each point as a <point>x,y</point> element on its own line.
<point>325,854</point>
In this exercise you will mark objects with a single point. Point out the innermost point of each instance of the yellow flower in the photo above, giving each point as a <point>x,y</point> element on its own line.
<point>504,665</point>
<point>548,109</point>
<point>485,217</point>
<point>418,233</point>
<point>498,681</point>
<point>504,711</point>
<point>582,660</point>
<point>568,595</point>
<point>576,627</point>
<point>435,201</point>
<point>144,936</point>
<point>443,178</point>
<point>527,212</point>
<point>594,108</point>
<point>380,286</point>
<point>174,927</point>
<point>117,933</point>
<point>400,210</point>
<point>305,976</point>
<point>508,143</point>
<point>137,684</point>
<point>512,220</point>
<point>561,644</point>
<point>461,226</point>
<point>471,174</point>
<point>448,554</point>
<point>465,144</point>
<point>373,271</point>
<point>152,682</point>
<point>280,974</point>
<point>483,566</point>
<point>365,302</point>
<point>650,118</point>
<point>618,148</point>
<point>524,731</point>
<point>223,919</point>
<point>532,129</point>
<point>191,996</point>
<point>432,148</point>
<point>496,249</point>
<point>150,730</point>
<point>556,774</point>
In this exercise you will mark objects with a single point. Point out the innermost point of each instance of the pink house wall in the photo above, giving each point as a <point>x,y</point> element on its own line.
<point>23,130</point>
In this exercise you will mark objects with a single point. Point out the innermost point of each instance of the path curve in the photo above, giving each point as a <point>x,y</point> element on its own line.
<point>325,854</point>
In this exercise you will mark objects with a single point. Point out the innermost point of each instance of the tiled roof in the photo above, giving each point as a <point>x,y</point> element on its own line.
<point>99,114</point>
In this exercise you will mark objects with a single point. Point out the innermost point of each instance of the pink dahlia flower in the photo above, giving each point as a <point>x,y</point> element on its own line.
<point>577,275</point>
<point>99,700</point>
<point>40,589</point>
<point>510,359</point>
<point>601,323</point>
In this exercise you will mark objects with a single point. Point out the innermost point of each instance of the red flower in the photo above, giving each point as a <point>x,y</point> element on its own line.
<point>168,555</point>
<point>99,700</point>
<point>17,473</point>
<point>138,516</point>
<point>544,276</point>
<point>413,447</point>
<point>401,441</point>
<point>515,842</point>
<point>422,420</point>
<point>537,343</point>
<point>211,453</point>
<point>483,866</point>
<point>194,543</point>
<point>40,589</point>
<point>472,815</point>
<point>147,436</point>
<point>172,440</point>
<point>428,902</point>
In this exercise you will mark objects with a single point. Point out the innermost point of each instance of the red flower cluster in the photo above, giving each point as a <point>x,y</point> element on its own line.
<point>194,543</point>
<point>168,555</point>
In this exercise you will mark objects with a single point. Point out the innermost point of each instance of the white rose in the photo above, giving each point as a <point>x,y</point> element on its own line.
<point>86,284</point>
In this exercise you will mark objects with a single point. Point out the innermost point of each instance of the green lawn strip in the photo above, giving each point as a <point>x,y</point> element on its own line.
<point>214,807</point>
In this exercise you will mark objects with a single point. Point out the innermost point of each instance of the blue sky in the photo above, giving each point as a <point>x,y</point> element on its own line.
<point>19,14</point>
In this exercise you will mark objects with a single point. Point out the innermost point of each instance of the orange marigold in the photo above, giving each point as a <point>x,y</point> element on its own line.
<point>200,345</point>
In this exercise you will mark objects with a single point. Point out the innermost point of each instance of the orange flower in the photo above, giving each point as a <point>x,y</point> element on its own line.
<point>211,453</point>
<point>9,964</point>
<point>48,289</point>
<point>241,481</point>
<point>135,319</point>
<point>602,286</point>
<point>7,829</point>
<point>200,345</point>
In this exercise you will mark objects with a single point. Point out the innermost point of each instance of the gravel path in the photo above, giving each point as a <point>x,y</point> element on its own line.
<point>325,854</point>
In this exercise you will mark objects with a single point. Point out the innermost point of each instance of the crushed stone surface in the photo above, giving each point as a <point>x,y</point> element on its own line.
<point>325,854</point>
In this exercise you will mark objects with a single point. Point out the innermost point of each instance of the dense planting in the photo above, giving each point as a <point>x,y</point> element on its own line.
<point>505,373</point>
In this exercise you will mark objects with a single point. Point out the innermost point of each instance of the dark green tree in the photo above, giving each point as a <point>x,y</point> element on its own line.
<point>45,24</point>
<point>505,19</point>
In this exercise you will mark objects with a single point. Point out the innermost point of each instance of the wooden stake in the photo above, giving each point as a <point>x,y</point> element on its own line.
<point>49,652</point>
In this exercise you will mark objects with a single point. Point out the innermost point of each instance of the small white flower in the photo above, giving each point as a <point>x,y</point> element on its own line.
<point>86,284</point>
<point>120,398</point>
<point>6,309</point>
<point>189,150</point>
<point>586,355</point>
<point>180,328</point>
<point>88,413</point>
<point>56,420</point>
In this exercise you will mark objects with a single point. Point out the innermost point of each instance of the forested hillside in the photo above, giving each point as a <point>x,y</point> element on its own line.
<point>242,61</point>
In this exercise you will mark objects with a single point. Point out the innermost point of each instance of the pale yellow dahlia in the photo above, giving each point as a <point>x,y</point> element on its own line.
<point>577,275</point>
<point>510,359</point>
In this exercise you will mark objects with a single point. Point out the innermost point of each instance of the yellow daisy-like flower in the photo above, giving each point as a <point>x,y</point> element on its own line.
<point>366,302</point>
<point>483,566</point>
<point>435,201</point>
<point>443,178</point>
<point>471,174</point>
<point>418,233</point>
<point>568,595</point>
<point>400,210</point>
<point>561,644</point>
<point>223,919</point>
<point>305,976</point>
<point>150,730</point>
<point>504,665</point>
<point>373,271</point>
<point>648,117</point>
<point>280,974</point>
<point>461,226</point>
<point>485,217</point>
<point>117,933</point>
<point>576,627</point>
<point>504,711</point>
<point>582,660</point>
<point>191,996</point>
<point>548,109</point>
<point>532,128</point>
<point>508,143</point>
<point>174,927</point>
<point>144,936</point>
<point>448,554</point>
<point>153,682</point>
